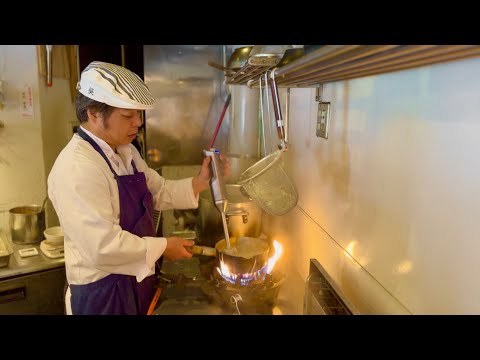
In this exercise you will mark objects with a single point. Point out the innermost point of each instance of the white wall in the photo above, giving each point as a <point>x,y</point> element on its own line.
<point>22,173</point>
<point>389,203</point>
<point>29,144</point>
<point>58,118</point>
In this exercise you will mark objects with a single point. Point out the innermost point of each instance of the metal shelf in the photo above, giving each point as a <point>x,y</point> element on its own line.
<point>261,59</point>
<point>331,63</point>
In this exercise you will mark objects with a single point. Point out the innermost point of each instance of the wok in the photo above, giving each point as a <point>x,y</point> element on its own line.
<point>290,55</point>
<point>239,57</point>
<point>246,255</point>
<point>237,60</point>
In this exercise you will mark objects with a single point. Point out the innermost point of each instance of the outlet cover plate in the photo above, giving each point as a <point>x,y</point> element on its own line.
<point>323,117</point>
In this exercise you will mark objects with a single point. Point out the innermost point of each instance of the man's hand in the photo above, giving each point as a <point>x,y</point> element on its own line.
<point>176,248</point>
<point>201,181</point>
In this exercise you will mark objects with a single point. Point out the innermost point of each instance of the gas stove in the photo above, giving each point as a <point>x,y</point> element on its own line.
<point>256,297</point>
<point>193,286</point>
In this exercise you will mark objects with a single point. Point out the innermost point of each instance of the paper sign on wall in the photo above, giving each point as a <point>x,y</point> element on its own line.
<point>27,101</point>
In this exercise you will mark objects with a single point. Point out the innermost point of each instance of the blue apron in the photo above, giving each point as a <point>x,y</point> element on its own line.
<point>118,294</point>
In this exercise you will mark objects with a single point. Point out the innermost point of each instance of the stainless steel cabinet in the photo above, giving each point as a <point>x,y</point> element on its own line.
<point>38,293</point>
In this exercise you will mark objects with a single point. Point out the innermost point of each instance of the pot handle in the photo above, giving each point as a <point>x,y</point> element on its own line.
<point>239,212</point>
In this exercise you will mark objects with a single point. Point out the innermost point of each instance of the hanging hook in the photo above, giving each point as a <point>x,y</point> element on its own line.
<point>269,116</point>
<point>262,119</point>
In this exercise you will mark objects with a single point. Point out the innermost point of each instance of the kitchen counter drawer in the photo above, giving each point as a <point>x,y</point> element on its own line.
<point>39,293</point>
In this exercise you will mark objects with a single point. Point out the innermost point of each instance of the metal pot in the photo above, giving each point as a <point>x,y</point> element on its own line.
<point>237,60</point>
<point>246,255</point>
<point>244,216</point>
<point>27,224</point>
<point>238,164</point>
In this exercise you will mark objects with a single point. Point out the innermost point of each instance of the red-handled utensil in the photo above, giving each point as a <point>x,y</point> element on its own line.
<point>154,301</point>
<point>227,102</point>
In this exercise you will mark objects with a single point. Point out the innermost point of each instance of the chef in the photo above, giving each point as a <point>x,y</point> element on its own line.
<point>104,195</point>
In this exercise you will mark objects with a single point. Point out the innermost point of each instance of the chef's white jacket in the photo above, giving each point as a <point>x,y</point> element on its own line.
<point>85,196</point>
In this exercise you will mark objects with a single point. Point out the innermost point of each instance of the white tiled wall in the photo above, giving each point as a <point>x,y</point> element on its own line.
<point>389,203</point>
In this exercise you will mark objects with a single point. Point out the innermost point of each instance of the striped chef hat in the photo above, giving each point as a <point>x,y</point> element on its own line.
<point>115,86</point>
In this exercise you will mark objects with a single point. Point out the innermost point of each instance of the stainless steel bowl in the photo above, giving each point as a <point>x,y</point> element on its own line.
<point>267,55</point>
<point>5,252</point>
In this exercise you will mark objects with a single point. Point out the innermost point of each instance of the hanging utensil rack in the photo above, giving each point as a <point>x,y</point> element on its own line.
<point>330,63</point>
<point>261,59</point>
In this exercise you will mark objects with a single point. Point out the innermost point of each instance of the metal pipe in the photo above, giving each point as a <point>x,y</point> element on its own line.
<point>224,56</point>
<point>243,133</point>
<point>325,52</point>
<point>332,63</point>
<point>346,59</point>
<point>375,69</point>
<point>322,54</point>
<point>388,57</point>
<point>49,64</point>
<point>246,73</point>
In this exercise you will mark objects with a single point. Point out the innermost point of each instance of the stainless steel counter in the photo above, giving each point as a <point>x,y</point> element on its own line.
<point>22,266</point>
<point>32,285</point>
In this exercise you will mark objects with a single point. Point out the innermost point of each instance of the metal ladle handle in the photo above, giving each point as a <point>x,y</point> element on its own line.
<point>277,109</point>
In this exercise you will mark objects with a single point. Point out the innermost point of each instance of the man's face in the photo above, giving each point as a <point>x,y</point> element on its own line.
<point>121,127</point>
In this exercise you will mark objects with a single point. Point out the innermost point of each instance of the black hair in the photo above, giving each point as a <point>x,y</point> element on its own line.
<point>83,103</point>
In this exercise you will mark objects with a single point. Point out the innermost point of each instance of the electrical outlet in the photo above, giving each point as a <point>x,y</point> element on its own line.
<point>323,116</point>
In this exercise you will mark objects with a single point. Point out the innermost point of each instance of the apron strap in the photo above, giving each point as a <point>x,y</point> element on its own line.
<point>134,167</point>
<point>85,137</point>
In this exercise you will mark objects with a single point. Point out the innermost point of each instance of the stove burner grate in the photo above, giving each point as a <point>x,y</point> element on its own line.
<point>257,297</point>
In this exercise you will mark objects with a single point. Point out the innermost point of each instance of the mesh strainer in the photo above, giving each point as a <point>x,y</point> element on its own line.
<point>269,186</point>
